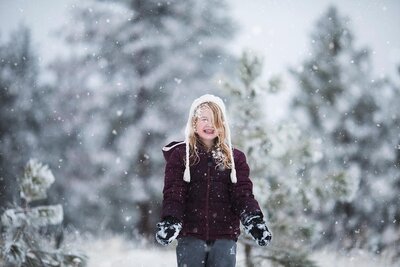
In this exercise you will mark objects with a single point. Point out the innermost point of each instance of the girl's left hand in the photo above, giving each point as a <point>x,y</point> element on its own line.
<point>257,228</point>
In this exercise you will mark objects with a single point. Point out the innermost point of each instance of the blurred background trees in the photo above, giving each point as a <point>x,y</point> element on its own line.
<point>328,174</point>
<point>23,110</point>
<point>117,97</point>
<point>354,115</point>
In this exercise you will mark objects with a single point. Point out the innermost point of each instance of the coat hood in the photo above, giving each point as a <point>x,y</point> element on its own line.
<point>168,149</point>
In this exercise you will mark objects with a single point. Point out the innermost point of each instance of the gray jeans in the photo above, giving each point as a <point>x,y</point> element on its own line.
<point>193,252</point>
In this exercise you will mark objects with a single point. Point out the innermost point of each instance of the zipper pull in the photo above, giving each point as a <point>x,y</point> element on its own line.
<point>209,161</point>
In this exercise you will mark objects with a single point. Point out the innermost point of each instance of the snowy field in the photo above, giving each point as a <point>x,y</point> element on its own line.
<point>115,252</point>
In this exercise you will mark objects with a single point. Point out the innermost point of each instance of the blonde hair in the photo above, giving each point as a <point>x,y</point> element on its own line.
<point>218,122</point>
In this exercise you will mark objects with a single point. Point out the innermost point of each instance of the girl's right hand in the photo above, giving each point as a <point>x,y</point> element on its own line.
<point>168,230</point>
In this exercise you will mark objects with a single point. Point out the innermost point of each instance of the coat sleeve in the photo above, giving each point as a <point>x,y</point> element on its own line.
<point>174,192</point>
<point>242,192</point>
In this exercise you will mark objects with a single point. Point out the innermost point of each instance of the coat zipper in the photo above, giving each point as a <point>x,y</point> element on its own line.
<point>207,197</point>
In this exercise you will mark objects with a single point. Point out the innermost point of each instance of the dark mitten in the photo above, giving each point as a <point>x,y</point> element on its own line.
<point>255,226</point>
<point>168,230</point>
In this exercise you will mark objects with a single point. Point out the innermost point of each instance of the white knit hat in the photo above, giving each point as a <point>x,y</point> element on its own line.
<point>195,104</point>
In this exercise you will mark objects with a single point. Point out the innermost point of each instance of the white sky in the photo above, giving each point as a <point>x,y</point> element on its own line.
<point>279,30</point>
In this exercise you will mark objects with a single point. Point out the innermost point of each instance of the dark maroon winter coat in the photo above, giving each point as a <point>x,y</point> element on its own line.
<point>210,205</point>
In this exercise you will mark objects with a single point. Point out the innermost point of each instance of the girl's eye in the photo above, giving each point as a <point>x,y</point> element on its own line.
<point>204,119</point>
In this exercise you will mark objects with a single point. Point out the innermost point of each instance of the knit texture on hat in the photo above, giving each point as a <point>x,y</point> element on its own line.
<point>195,104</point>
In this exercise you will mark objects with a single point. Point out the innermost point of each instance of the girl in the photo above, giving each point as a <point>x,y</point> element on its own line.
<point>207,191</point>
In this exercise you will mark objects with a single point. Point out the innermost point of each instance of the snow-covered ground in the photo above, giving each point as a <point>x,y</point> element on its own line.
<point>357,258</point>
<point>115,252</point>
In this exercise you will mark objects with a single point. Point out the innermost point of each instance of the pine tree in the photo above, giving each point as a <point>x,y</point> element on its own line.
<point>137,65</point>
<point>281,160</point>
<point>354,116</point>
<point>22,109</point>
<point>23,242</point>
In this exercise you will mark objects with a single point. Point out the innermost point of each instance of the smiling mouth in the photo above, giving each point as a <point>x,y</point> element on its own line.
<point>209,131</point>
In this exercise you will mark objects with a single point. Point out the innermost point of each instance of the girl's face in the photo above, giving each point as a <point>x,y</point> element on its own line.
<point>204,126</point>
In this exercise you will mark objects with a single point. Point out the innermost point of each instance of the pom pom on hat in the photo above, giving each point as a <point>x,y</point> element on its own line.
<point>195,104</point>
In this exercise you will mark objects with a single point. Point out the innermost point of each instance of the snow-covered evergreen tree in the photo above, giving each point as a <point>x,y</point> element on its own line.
<point>281,158</point>
<point>23,242</point>
<point>356,118</point>
<point>136,66</point>
<point>22,109</point>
